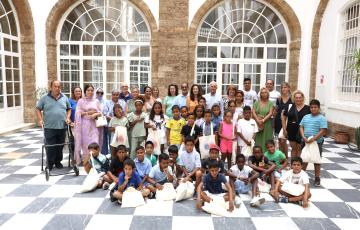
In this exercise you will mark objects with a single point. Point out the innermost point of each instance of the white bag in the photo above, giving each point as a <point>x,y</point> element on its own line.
<point>281,133</point>
<point>132,198</point>
<point>205,141</point>
<point>247,150</point>
<point>310,153</point>
<point>155,139</point>
<point>184,191</point>
<point>293,189</point>
<point>234,152</point>
<point>120,137</point>
<point>91,181</point>
<point>167,193</point>
<point>101,121</point>
<point>217,206</point>
<point>263,186</point>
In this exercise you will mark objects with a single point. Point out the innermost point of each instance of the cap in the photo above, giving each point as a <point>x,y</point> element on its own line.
<point>214,146</point>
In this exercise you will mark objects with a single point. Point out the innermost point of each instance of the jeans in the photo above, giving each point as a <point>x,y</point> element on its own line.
<point>54,154</point>
<point>241,187</point>
<point>106,141</point>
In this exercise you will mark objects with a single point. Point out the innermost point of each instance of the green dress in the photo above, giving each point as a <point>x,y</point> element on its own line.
<point>267,133</point>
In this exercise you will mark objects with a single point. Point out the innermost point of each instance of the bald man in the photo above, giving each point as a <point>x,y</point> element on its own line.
<point>213,98</point>
<point>125,94</point>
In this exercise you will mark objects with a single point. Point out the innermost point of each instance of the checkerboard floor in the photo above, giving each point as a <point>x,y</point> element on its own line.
<point>26,198</point>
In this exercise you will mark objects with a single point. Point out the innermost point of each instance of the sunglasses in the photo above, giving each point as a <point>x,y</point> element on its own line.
<point>102,93</point>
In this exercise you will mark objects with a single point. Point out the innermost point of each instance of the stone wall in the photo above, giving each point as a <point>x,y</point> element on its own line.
<point>334,127</point>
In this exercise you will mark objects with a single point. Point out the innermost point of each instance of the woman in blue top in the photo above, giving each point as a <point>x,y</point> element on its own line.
<point>76,93</point>
<point>169,100</point>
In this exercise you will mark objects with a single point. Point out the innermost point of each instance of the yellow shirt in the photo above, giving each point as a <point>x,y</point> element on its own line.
<point>175,127</point>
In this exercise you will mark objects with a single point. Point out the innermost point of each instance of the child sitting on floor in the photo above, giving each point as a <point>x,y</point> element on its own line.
<point>276,156</point>
<point>213,156</point>
<point>143,165</point>
<point>160,174</point>
<point>294,176</point>
<point>149,150</point>
<point>174,160</point>
<point>116,166</point>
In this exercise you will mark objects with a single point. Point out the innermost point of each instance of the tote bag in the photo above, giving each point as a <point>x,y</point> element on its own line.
<point>205,141</point>
<point>120,137</point>
<point>167,193</point>
<point>310,153</point>
<point>101,121</point>
<point>91,181</point>
<point>132,198</point>
<point>154,138</point>
<point>293,189</point>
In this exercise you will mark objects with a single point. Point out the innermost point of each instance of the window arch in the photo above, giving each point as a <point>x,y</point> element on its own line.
<point>104,43</point>
<point>241,39</point>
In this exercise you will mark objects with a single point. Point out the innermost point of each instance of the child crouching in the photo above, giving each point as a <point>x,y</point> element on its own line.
<point>160,174</point>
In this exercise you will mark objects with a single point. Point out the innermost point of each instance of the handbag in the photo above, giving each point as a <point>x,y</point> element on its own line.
<point>101,121</point>
<point>154,138</point>
<point>281,133</point>
<point>205,141</point>
<point>311,153</point>
<point>120,137</point>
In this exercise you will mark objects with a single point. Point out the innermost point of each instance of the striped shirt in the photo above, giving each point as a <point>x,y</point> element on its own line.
<point>313,124</point>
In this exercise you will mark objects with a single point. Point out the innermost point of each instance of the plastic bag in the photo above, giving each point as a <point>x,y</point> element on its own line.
<point>310,153</point>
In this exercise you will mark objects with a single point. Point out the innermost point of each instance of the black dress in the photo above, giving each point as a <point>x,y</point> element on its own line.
<point>280,107</point>
<point>294,118</point>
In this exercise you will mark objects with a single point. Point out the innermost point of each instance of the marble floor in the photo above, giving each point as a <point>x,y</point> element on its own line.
<point>28,201</point>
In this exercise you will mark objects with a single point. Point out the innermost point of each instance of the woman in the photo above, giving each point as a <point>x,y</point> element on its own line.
<point>193,100</point>
<point>75,96</point>
<point>155,94</point>
<point>231,91</point>
<point>130,106</point>
<point>149,100</point>
<point>281,104</point>
<point>169,99</point>
<point>262,112</point>
<point>87,111</point>
<point>291,119</point>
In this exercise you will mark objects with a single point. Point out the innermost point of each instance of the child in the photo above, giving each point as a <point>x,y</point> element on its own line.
<point>216,117</point>
<point>143,165</point>
<point>174,127</point>
<point>149,150</point>
<point>184,112</point>
<point>262,165</point>
<point>128,178</point>
<point>96,160</point>
<point>191,130</point>
<point>137,129</point>
<point>208,128</point>
<point>246,129</point>
<point>160,174</point>
<point>174,160</point>
<point>315,125</point>
<point>294,176</point>
<point>199,115</point>
<point>232,108</point>
<point>212,184</point>
<point>156,120</point>
<point>243,178</point>
<point>117,120</point>
<point>213,156</point>
<point>239,103</point>
<point>277,157</point>
<point>227,135</point>
<point>116,166</point>
<point>202,102</point>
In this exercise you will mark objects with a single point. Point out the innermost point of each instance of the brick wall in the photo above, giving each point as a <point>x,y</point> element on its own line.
<point>333,127</point>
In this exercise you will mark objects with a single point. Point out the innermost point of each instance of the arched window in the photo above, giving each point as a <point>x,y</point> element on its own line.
<point>10,76</point>
<point>104,43</point>
<point>241,39</point>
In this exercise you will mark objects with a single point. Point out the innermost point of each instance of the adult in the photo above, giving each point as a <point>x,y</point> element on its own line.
<point>76,94</point>
<point>230,92</point>
<point>262,112</point>
<point>250,96</point>
<point>149,100</point>
<point>193,99</point>
<point>130,105</point>
<point>156,94</point>
<point>169,99</point>
<point>180,99</point>
<point>53,112</point>
<point>214,98</point>
<point>125,94</point>
<point>274,94</point>
<point>291,119</point>
<point>282,103</point>
<point>87,111</point>
<point>100,96</point>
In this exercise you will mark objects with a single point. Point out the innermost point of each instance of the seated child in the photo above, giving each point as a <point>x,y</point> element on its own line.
<point>116,166</point>
<point>191,130</point>
<point>213,156</point>
<point>296,176</point>
<point>143,165</point>
<point>276,156</point>
<point>149,150</point>
<point>262,165</point>
<point>96,160</point>
<point>160,174</point>
<point>212,184</point>
<point>128,178</point>
<point>174,161</point>
<point>243,178</point>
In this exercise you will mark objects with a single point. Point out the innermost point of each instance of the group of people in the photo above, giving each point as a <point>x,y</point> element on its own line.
<point>242,121</point>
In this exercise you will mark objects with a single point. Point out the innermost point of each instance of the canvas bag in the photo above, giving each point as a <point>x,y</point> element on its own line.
<point>263,186</point>
<point>293,189</point>
<point>205,141</point>
<point>120,137</point>
<point>281,133</point>
<point>91,181</point>
<point>216,206</point>
<point>247,150</point>
<point>132,198</point>
<point>311,153</point>
<point>184,191</point>
<point>101,121</point>
<point>167,193</point>
<point>155,139</point>
<point>182,146</point>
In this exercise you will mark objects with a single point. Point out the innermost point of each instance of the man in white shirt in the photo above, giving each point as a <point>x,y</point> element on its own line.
<point>250,95</point>
<point>274,94</point>
<point>180,100</point>
<point>214,98</point>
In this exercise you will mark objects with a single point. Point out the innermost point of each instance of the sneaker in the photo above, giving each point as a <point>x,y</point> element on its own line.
<point>112,198</point>
<point>317,182</point>
<point>283,199</point>
<point>106,185</point>
<point>119,202</point>
<point>257,201</point>
<point>59,165</point>
<point>237,202</point>
<point>195,196</point>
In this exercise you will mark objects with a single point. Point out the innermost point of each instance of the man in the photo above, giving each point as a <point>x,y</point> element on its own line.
<point>250,95</point>
<point>125,94</point>
<point>214,98</point>
<point>180,100</point>
<point>53,111</point>
<point>273,93</point>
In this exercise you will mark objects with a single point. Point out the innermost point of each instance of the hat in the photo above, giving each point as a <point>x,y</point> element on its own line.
<point>214,146</point>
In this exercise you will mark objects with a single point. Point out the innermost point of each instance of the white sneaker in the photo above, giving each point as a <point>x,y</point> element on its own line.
<point>257,201</point>
<point>237,202</point>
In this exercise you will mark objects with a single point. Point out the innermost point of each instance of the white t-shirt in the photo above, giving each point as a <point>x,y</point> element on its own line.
<point>274,95</point>
<point>244,173</point>
<point>190,160</point>
<point>160,126</point>
<point>247,128</point>
<point>249,97</point>
<point>300,178</point>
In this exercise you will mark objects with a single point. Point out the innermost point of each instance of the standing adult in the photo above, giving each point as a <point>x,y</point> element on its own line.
<point>193,99</point>
<point>214,98</point>
<point>76,94</point>
<point>274,94</point>
<point>53,112</point>
<point>230,92</point>
<point>282,103</point>
<point>149,100</point>
<point>291,120</point>
<point>169,99</point>
<point>130,105</point>
<point>156,94</point>
<point>125,94</point>
<point>180,99</point>
<point>86,132</point>
<point>262,112</point>
<point>100,95</point>
<point>250,96</point>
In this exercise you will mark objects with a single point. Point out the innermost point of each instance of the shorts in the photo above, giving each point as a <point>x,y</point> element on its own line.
<point>226,146</point>
<point>241,187</point>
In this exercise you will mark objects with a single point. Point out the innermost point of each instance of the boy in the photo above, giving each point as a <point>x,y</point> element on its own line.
<point>294,176</point>
<point>276,156</point>
<point>213,156</point>
<point>262,165</point>
<point>160,174</point>
<point>212,184</point>
<point>137,128</point>
<point>250,96</point>
<point>116,166</point>
<point>315,125</point>
<point>246,129</point>
<point>143,165</point>
<point>174,160</point>
<point>184,112</point>
<point>191,130</point>
<point>128,178</point>
<point>242,178</point>
<point>149,149</point>
<point>98,161</point>
<point>208,128</point>
<point>174,127</point>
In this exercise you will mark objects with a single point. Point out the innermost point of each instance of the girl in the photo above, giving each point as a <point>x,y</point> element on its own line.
<point>227,135</point>
<point>202,102</point>
<point>137,130</point>
<point>232,109</point>
<point>216,115</point>
<point>199,114</point>
<point>117,120</point>
<point>156,121</point>
<point>239,99</point>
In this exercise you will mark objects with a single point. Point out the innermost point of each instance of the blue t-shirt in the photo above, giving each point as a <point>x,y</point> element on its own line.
<point>180,100</point>
<point>313,124</point>
<point>134,180</point>
<point>143,168</point>
<point>73,104</point>
<point>214,186</point>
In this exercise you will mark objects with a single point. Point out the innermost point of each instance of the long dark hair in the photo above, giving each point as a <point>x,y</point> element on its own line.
<point>198,107</point>
<point>176,89</point>
<point>73,92</point>
<point>152,112</point>
<point>88,86</point>
<point>192,96</point>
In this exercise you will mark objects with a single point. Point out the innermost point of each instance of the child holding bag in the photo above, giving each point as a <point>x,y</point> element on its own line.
<point>137,129</point>
<point>117,120</point>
